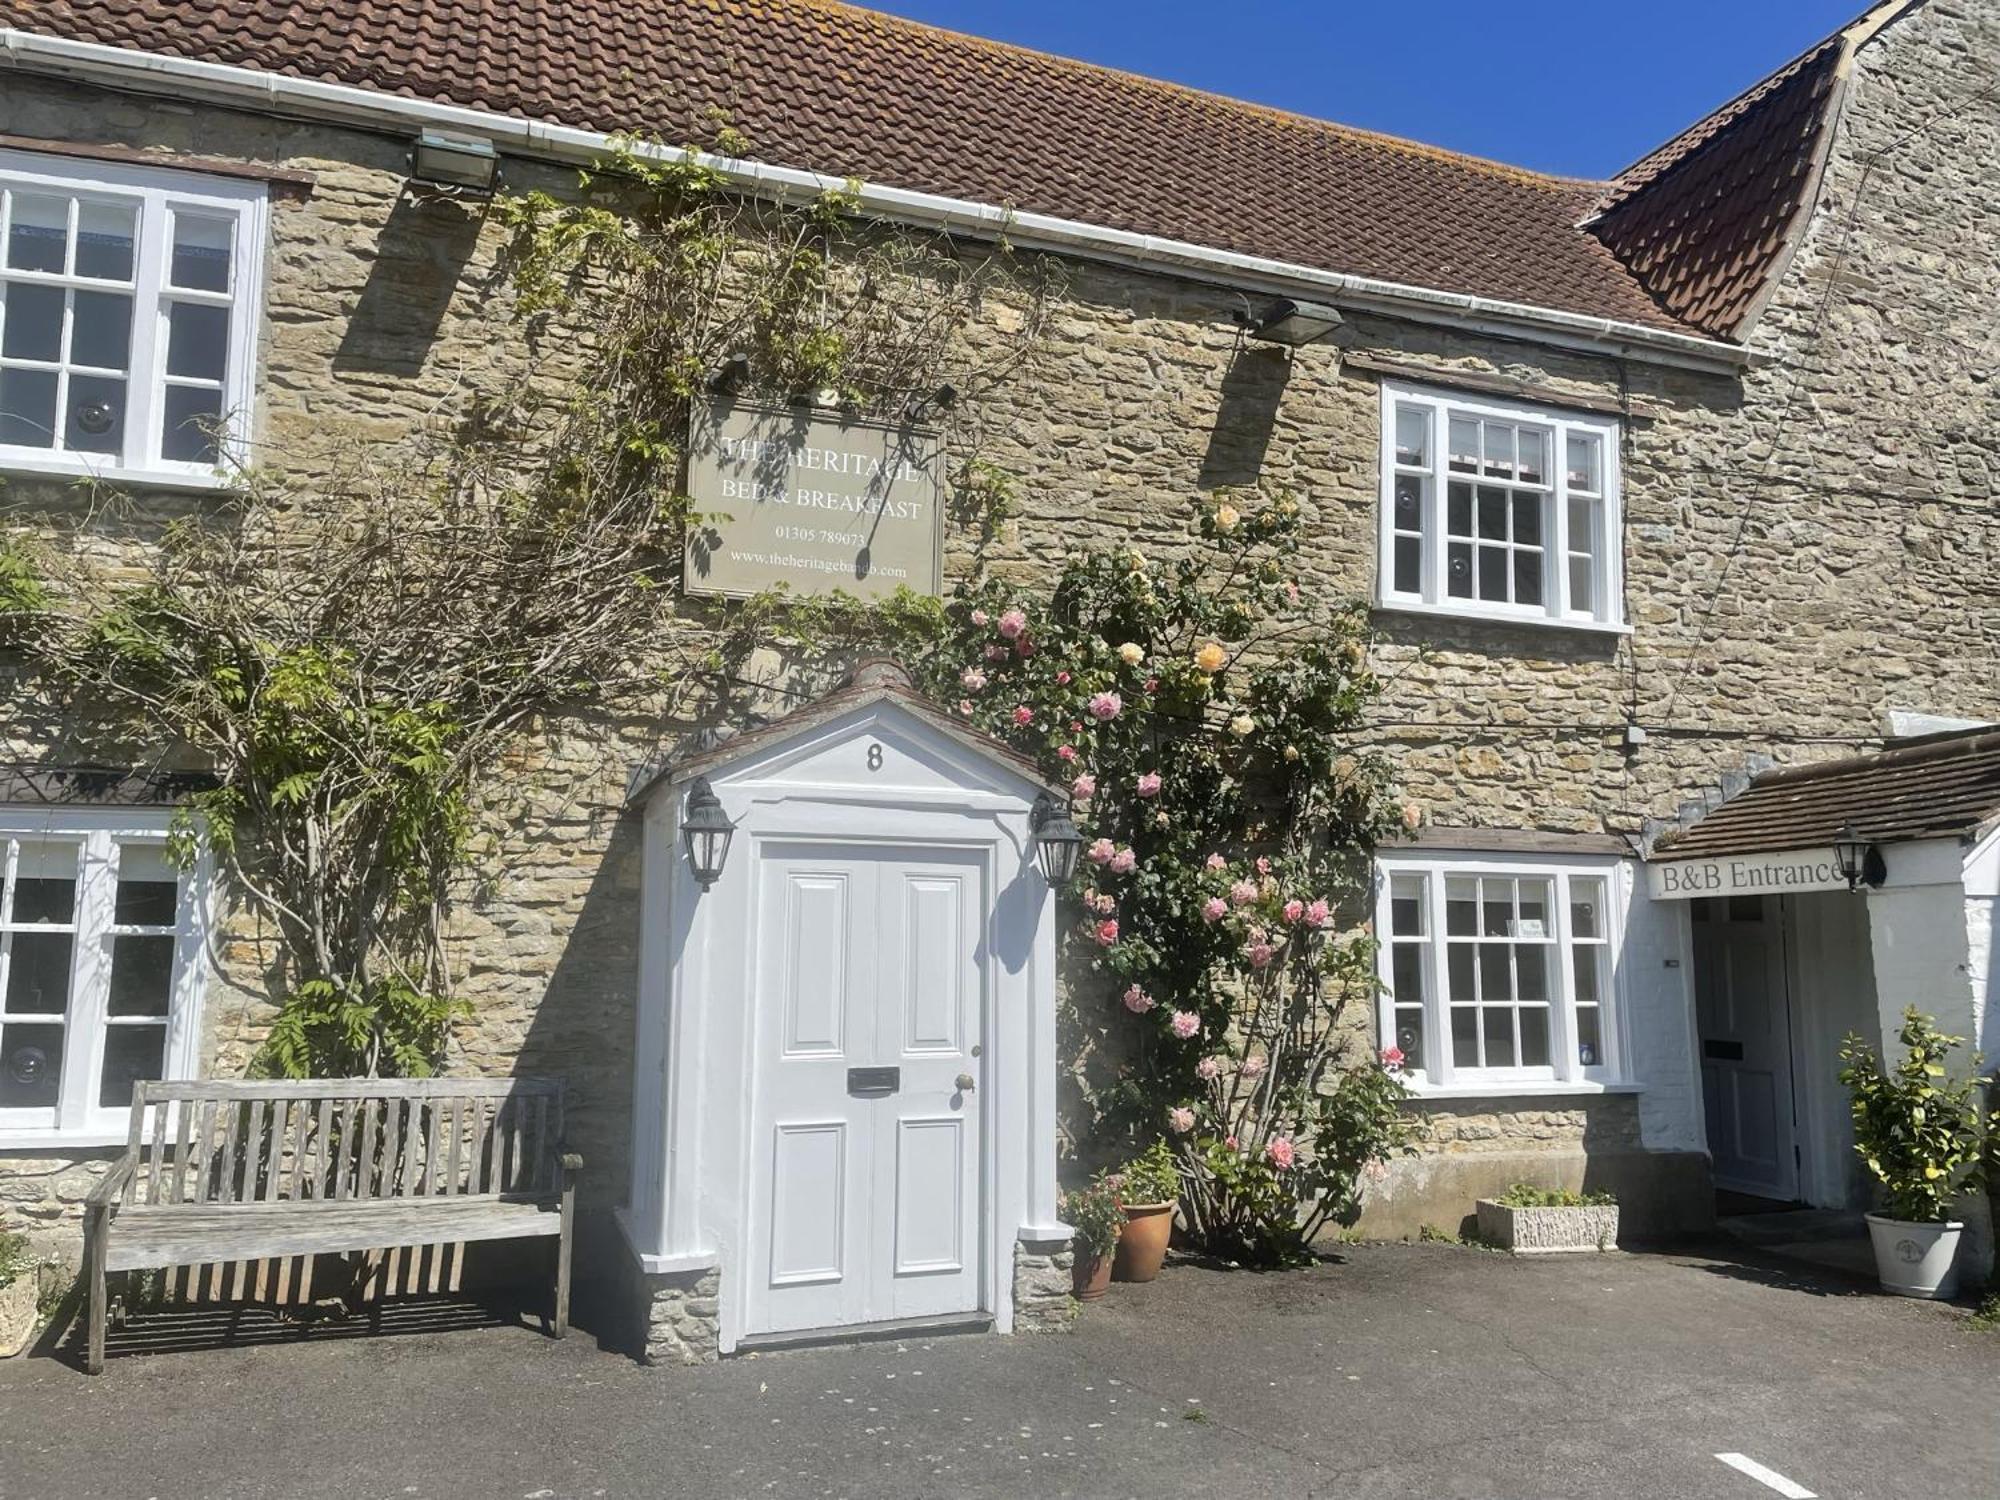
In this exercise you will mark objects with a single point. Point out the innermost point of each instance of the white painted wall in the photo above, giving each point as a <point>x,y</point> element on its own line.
<point>1830,972</point>
<point>1656,984</point>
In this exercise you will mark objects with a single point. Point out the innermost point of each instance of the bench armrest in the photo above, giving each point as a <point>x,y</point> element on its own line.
<point>111,1188</point>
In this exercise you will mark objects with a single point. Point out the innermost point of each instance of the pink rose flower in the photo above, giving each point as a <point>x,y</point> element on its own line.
<point>1243,892</point>
<point>1260,955</point>
<point>1104,707</point>
<point>1062,679</point>
<point>1253,1067</point>
<point>972,679</point>
<point>1024,647</point>
<point>1066,753</point>
<point>1392,1058</point>
<point>1317,913</point>
<point>1281,1152</point>
<point>1076,726</point>
<point>1138,1001</point>
<point>1084,787</point>
<point>1294,909</point>
<point>1152,684</point>
<point>979,617</point>
<point>1180,1119</point>
<point>1124,862</point>
<point>1107,933</point>
<point>1216,862</point>
<point>965,707</point>
<point>1012,624</point>
<point>1412,816</point>
<point>1209,1068</point>
<point>1213,908</point>
<point>1024,716</point>
<point>1230,1142</point>
<point>1185,1024</point>
<point>1263,864</point>
<point>1105,905</point>
<point>1100,851</point>
<point>1149,784</point>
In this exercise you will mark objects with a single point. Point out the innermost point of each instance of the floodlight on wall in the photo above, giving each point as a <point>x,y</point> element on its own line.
<point>1296,323</point>
<point>459,161</point>
<point>1057,842</point>
<point>732,376</point>
<point>1859,861</point>
<point>706,831</point>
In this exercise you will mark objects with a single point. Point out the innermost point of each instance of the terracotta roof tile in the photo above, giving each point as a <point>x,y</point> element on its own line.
<point>1703,221</point>
<point>1941,786</point>
<point>832,88</point>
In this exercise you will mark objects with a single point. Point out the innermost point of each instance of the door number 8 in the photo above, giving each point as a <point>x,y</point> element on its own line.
<point>874,757</point>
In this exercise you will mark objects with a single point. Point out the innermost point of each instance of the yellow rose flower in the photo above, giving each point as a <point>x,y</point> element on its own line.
<point>1210,658</point>
<point>1226,517</point>
<point>1131,653</point>
<point>1242,726</point>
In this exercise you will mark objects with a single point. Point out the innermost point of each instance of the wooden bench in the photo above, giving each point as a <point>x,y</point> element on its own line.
<point>220,1172</point>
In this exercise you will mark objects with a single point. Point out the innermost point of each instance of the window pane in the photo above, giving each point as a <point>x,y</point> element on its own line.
<point>1527,578</point>
<point>100,330</point>
<point>34,319</point>
<point>1406,906</point>
<point>1407,969</point>
<point>1583,963</point>
<point>1589,1046</point>
<point>1409,502</point>
<point>96,414</point>
<point>104,240</point>
<point>1409,577</point>
<point>28,408</point>
<point>1499,448</point>
<point>1458,572</point>
<point>1528,518</point>
<point>1582,592</point>
<point>1531,970</point>
<point>1583,526</point>
<point>1497,904</point>
<point>1413,436</point>
<point>192,421</point>
<point>1493,514</point>
<point>1534,909</point>
<point>1458,509</point>
<point>1460,896</point>
<point>44,883</point>
<point>201,253</point>
<point>197,340</point>
<point>1586,898</point>
<point>1534,1036</point>
<point>1465,1035</point>
<point>1410,1036</point>
<point>1534,456</point>
<point>1496,981</point>
<point>148,888</point>
<point>38,233</point>
<point>1493,573</point>
<point>38,973</point>
<point>1499,1036</point>
<point>131,1053</point>
<point>1458,972</point>
<point>1464,443</point>
<point>30,1065</point>
<point>142,970</point>
<point>1584,462</point>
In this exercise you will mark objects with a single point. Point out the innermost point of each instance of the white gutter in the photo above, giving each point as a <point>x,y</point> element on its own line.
<point>274,93</point>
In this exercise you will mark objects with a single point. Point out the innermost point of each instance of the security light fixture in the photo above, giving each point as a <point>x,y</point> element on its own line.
<point>734,373</point>
<point>944,398</point>
<point>1057,843</point>
<point>1859,861</point>
<point>706,830</point>
<point>459,161</point>
<point>1296,323</point>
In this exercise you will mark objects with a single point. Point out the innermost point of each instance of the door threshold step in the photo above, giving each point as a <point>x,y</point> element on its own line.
<point>866,1333</point>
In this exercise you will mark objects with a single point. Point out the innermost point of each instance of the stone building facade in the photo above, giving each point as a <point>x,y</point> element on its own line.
<point>1808,544</point>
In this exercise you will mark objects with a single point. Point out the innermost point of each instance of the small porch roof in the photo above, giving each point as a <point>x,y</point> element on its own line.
<point>1940,786</point>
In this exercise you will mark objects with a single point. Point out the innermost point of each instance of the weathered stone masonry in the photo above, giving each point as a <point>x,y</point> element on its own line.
<point>1804,549</point>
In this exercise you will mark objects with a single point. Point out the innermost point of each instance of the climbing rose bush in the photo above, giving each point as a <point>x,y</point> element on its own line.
<point>1203,713</point>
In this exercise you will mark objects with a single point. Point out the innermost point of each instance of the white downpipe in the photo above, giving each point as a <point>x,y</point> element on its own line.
<point>277,93</point>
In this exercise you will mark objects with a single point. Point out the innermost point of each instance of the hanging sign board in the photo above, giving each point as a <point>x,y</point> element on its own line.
<point>1744,875</point>
<point>812,502</point>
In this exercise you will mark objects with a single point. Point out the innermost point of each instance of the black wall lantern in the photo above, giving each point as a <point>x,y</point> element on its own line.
<point>706,830</point>
<point>1859,861</point>
<point>1057,843</point>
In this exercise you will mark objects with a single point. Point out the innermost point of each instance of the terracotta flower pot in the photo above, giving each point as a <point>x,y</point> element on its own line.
<point>1090,1276</point>
<point>1142,1248</point>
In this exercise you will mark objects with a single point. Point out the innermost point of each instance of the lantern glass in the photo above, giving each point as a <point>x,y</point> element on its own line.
<point>706,830</point>
<point>1058,845</point>
<point>1850,854</point>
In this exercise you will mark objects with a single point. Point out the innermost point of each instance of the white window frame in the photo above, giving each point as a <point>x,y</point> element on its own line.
<point>1440,1076</point>
<point>158,193</point>
<point>77,1119</point>
<point>1434,596</point>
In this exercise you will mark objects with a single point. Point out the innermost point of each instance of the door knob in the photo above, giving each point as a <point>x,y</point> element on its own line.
<point>965,1083</point>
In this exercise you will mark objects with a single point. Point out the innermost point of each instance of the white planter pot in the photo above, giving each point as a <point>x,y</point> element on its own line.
<point>1916,1260</point>
<point>17,1313</point>
<point>1548,1231</point>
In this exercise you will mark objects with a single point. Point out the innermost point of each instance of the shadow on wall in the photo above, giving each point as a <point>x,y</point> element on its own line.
<point>1251,390</point>
<point>419,259</point>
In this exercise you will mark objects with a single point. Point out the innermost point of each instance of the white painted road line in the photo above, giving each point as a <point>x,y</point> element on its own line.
<point>1771,1477</point>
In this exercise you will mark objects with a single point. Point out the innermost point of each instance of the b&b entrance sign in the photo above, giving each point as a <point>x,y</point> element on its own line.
<point>1744,875</point>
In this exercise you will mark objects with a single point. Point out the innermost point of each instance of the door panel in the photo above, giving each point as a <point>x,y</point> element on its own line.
<point>865,1204</point>
<point>1746,1070</point>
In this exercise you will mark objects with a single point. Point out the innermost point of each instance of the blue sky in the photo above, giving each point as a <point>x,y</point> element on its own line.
<point>1559,85</point>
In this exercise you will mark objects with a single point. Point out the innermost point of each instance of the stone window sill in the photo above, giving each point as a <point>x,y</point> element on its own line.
<point>28,464</point>
<point>1469,616</point>
<point>1525,1090</point>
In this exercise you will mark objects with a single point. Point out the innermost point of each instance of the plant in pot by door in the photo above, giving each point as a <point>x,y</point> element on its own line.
<point>1094,1214</point>
<point>1149,1189</point>
<point>1922,1135</point>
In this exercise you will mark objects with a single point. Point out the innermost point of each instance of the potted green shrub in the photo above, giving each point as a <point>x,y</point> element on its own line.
<point>1149,1190</point>
<point>1922,1135</point>
<point>1530,1220</point>
<point>1093,1213</point>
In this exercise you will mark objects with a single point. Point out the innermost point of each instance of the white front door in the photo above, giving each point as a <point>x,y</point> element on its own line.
<point>1746,1044</point>
<point>866,1193</point>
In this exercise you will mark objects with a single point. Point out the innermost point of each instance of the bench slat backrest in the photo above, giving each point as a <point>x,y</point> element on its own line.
<point>360,1138</point>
